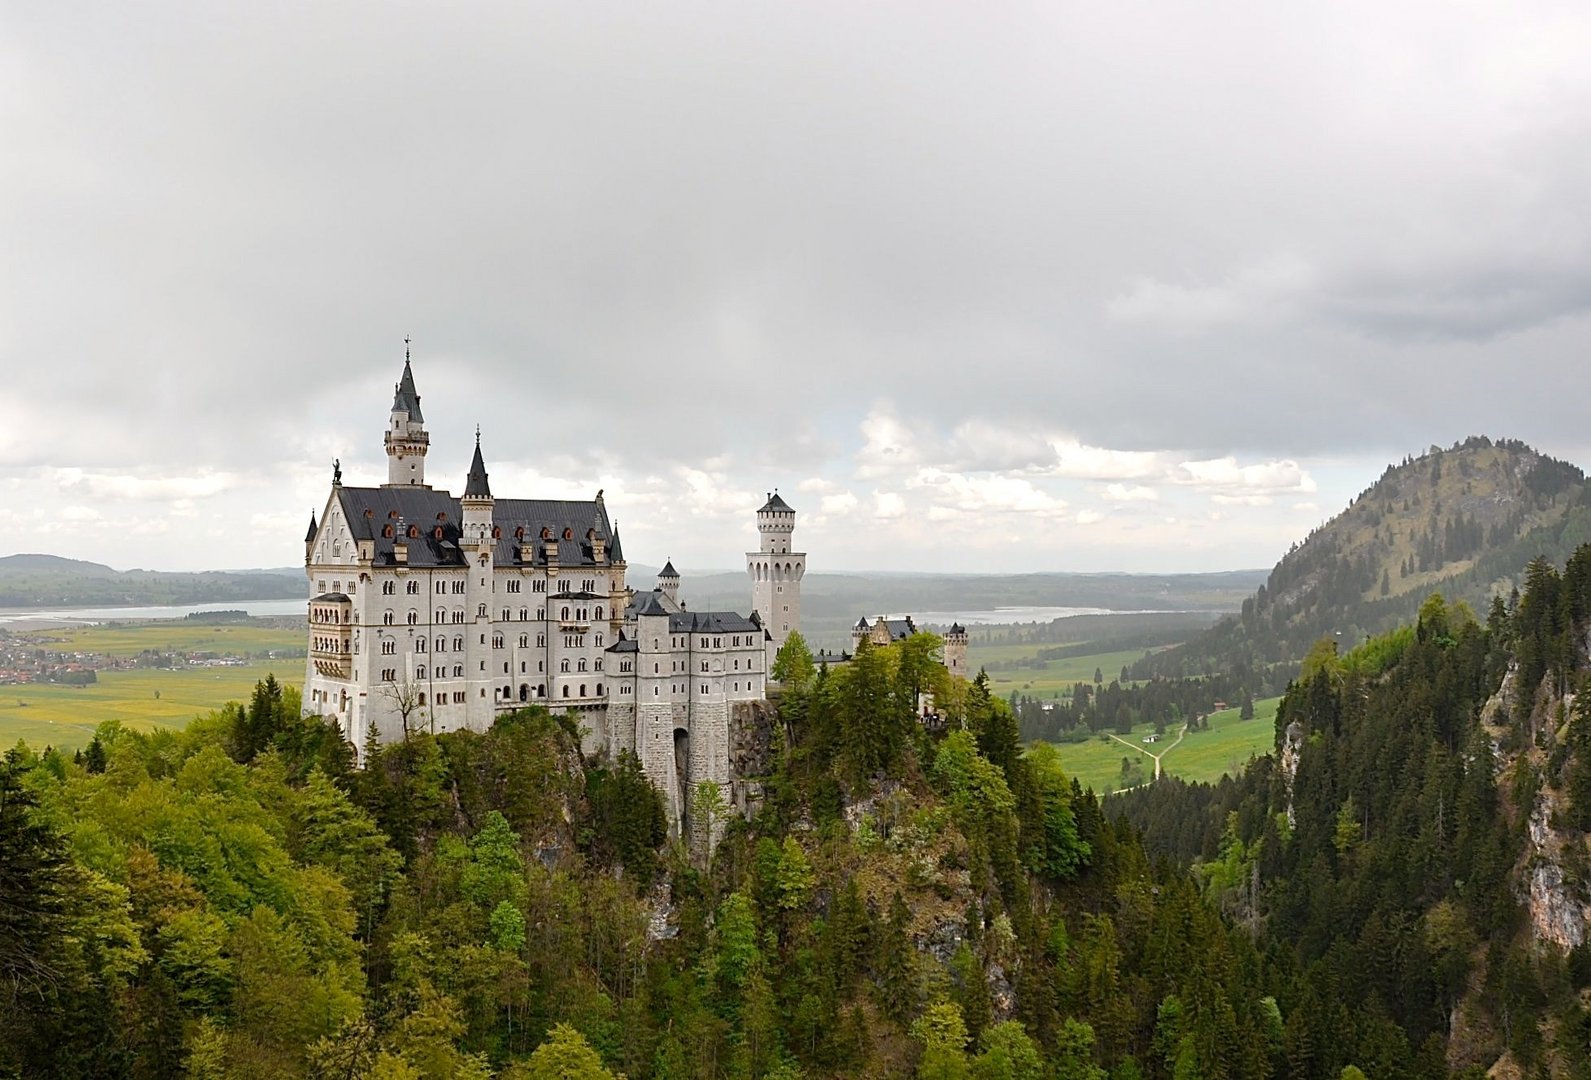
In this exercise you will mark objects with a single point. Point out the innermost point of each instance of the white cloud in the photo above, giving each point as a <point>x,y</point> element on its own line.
<point>841,504</point>
<point>888,446</point>
<point>888,506</point>
<point>1089,517</point>
<point>1075,460</point>
<point>1226,473</point>
<point>1121,493</point>
<point>142,485</point>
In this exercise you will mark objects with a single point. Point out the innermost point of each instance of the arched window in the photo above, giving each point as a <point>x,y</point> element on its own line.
<point>412,588</point>
<point>566,691</point>
<point>422,699</point>
<point>414,617</point>
<point>524,691</point>
<point>458,644</point>
<point>481,611</point>
<point>563,665</point>
<point>582,664</point>
<point>386,618</point>
<point>419,672</point>
<point>599,611</point>
<point>582,689</point>
<point>565,615</point>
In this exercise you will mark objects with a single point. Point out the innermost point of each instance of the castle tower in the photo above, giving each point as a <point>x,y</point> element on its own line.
<point>956,650</point>
<point>776,574</point>
<point>478,545</point>
<point>668,581</point>
<point>406,438</point>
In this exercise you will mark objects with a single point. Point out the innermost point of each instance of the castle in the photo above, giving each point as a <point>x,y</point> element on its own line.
<point>434,612</point>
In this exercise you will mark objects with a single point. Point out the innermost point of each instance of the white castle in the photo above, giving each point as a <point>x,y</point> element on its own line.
<point>434,612</point>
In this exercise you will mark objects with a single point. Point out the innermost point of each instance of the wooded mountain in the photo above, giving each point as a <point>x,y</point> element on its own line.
<point>1464,521</point>
<point>32,581</point>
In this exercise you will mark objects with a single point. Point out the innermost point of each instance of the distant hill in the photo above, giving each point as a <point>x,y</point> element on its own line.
<point>53,564</point>
<point>832,602</point>
<point>1463,521</point>
<point>38,581</point>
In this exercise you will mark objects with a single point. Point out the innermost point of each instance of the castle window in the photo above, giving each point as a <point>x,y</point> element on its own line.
<point>597,664</point>
<point>441,644</point>
<point>564,615</point>
<point>506,615</point>
<point>458,673</point>
<point>387,587</point>
<point>582,689</point>
<point>458,644</point>
<point>582,664</point>
<point>704,665</point>
<point>541,641</point>
<point>412,588</point>
<point>522,667</point>
<point>523,613</point>
<point>419,672</point>
<point>566,691</point>
<point>563,666</point>
<point>414,617</point>
<point>441,587</point>
<point>538,585</point>
<point>524,641</point>
<point>599,611</point>
<point>419,644</point>
<point>599,641</point>
<point>599,690</point>
<point>480,611</point>
<point>497,642</point>
<point>386,618</point>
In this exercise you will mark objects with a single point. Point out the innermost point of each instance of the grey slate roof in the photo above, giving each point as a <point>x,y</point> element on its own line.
<point>900,628</point>
<point>957,628</point>
<point>313,528</point>
<point>615,552</point>
<point>420,507</point>
<point>668,570</point>
<point>649,604</point>
<point>775,503</point>
<point>476,486</point>
<point>711,622</point>
<point>624,644</point>
<point>330,598</point>
<point>406,398</point>
<point>824,656</point>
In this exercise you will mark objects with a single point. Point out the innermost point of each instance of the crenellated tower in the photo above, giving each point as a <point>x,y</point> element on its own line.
<point>406,439</point>
<point>776,574</point>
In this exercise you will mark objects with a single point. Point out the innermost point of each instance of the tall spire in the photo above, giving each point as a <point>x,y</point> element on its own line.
<point>405,398</point>
<point>476,486</point>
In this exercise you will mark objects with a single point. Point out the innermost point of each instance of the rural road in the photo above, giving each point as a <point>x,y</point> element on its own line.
<point>1147,754</point>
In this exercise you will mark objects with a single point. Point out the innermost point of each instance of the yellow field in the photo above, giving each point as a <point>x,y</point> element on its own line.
<point>176,636</point>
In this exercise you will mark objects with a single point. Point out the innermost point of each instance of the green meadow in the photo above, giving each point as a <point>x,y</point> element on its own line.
<point>1202,755</point>
<point>50,714</point>
<point>1052,681</point>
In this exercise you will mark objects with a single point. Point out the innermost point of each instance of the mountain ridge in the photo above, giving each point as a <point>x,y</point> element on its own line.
<point>1464,521</point>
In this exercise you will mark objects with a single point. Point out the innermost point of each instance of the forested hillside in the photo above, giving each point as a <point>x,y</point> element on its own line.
<point>33,581</point>
<point>232,900</point>
<point>1465,521</point>
<point>1419,844</point>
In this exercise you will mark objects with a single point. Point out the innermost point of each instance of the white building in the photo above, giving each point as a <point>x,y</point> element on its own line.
<point>434,612</point>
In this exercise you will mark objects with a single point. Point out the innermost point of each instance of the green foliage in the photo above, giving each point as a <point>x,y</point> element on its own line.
<point>792,664</point>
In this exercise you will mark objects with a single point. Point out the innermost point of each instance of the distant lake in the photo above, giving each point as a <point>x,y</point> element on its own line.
<point>22,616</point>
<point>1001,615</point>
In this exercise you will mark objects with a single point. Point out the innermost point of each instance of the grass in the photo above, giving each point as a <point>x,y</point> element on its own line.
<point>65,716</point>
<point>176,636</point>
<point>1201,756</point>
<point>1055,679</point>
<point>50,714</point>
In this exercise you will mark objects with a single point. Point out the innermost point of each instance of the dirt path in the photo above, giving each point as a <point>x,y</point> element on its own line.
<point>1153,757</point>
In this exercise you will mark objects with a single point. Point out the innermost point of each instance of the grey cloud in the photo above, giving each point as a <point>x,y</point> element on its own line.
<point>627,239</point>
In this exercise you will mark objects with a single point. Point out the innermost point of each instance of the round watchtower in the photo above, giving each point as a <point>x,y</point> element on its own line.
<point>776,573</point>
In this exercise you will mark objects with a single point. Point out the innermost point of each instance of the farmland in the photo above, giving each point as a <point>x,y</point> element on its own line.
<point>1202,755</point>
<point>65,716</point>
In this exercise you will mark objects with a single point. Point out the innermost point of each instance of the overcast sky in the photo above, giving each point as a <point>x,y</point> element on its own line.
<point>976,286</point>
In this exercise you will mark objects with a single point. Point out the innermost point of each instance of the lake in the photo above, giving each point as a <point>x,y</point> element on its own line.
<point>55,616</point>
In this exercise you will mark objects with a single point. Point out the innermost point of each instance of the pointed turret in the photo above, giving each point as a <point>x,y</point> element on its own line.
<point>314,528</point>
<point>476,486</point>
<point>406,439</point>
<point>406,399</point>
<point>615,549</point>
